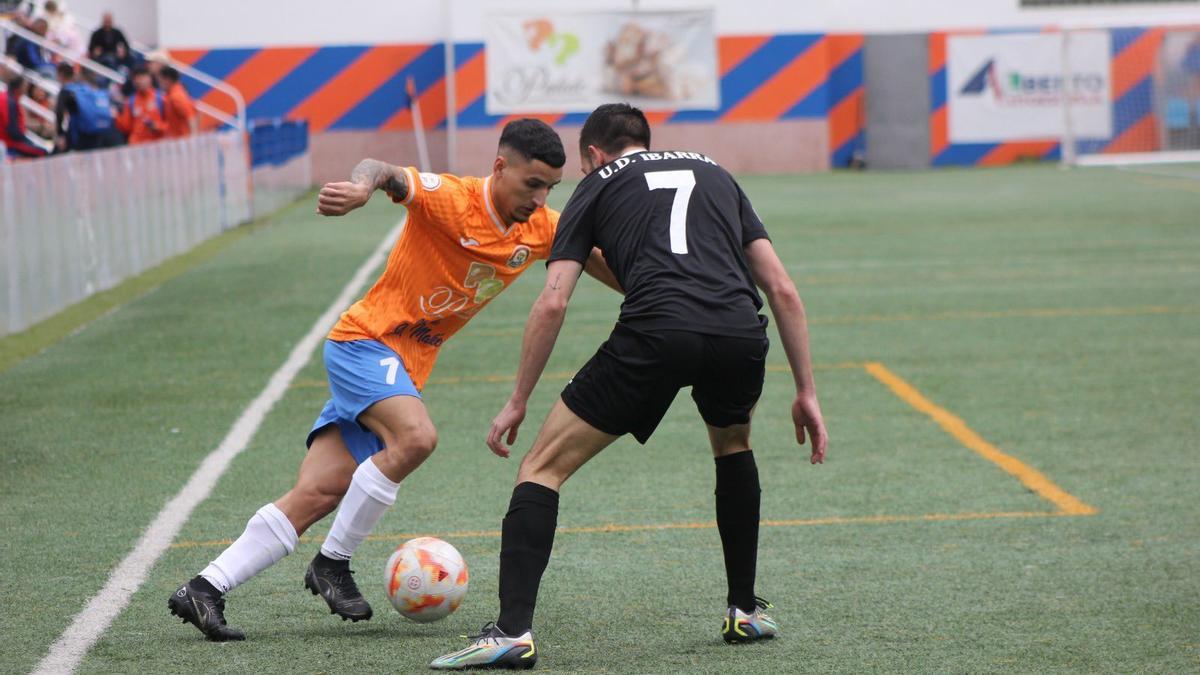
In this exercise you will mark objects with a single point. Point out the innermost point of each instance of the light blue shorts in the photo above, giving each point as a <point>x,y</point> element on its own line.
<point>361,373</point>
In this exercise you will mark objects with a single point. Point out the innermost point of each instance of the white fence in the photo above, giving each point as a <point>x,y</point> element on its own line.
<point>278,186</point>
<point>73,225</point>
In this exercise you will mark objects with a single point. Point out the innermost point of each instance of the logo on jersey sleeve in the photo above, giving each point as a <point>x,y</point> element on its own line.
<point>430,181</point>
<point>519,257</point>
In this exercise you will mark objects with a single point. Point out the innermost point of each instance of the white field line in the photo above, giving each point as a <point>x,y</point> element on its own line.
<point>70,648</point>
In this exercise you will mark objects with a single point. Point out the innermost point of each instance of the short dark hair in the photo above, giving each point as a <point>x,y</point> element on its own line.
<point>613,127</point>
<point>140,70</point>
<point>65,70</point>
<point>169,74</point>
<point>534,139</point>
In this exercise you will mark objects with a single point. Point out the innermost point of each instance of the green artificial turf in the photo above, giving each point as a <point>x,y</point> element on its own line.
<point>1056,313</point>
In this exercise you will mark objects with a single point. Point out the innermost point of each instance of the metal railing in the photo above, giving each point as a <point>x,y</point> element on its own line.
<point>239,102</point>
<point>79,223</point>
<point>7,26</point>
<point>39,80</point>
<point>42,112</point>
<point>237,121</point>
<point>33,107</point>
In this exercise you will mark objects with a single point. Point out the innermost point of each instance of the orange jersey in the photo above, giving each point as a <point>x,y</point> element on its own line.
<point>453,256</point>
<point>178,111</point>
<point>142,118</point>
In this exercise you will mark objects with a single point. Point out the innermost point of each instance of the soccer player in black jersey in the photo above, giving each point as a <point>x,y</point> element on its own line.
<point>688,249</point>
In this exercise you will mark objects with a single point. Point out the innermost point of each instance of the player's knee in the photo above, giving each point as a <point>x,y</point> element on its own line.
<point>422,444</point>
<point>412,443</point>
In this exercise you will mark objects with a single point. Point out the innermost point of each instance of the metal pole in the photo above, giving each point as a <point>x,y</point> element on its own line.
<point>418,125</point>
<point>1067,149</point>
<point>451,91</point>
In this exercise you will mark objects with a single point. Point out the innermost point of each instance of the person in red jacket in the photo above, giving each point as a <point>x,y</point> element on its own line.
<point>13,134</point>
<point>142,119</point>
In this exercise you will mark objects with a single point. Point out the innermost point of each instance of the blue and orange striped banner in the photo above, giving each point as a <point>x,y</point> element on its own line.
<point>763,78</point>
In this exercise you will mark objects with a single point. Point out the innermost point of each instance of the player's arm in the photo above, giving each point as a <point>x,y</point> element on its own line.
<point>771,276</point>
<point>597,267</point>
<point>541,331</point>
<point>338,199</point>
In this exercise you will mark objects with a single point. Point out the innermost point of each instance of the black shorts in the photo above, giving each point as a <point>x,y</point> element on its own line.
<point>630,383</point>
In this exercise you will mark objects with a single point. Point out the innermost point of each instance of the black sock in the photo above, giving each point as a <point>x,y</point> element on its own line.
<point>737,520</point>
<point>201,584</point>
<point>526,540</point>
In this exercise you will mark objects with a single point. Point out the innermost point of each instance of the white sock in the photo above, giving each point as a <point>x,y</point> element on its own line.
<point>370,494</point>
<point>269,536</point>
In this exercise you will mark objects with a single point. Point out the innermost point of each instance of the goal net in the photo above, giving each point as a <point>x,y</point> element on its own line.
<point>1139,110</point>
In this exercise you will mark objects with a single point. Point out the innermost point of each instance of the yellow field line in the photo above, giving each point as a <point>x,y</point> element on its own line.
<point>1031,478</point>
<point>1066,503</point>
<point>1030,313</point>
<point>658,527</point>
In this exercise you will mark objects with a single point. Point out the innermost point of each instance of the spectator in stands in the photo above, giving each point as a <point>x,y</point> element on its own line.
<point>30,55</point>
<point>62,28</point>
<point>142,120</point>
<point>36,124</point>
<point>180,110</point>
<point>12,122</point>
<point>84,114</point>
<point>109,46</point>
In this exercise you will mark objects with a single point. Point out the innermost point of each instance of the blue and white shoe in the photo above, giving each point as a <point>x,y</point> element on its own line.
<point>492,648</point>
<point>742,627</point>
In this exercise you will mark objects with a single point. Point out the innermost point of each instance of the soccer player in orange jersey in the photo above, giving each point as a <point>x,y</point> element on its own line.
<point>464,240</point>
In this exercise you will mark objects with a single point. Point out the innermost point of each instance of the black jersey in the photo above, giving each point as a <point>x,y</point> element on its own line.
<point>673,226</point>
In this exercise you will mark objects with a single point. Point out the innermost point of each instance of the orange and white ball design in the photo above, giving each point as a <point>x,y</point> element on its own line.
<point>426,579</point>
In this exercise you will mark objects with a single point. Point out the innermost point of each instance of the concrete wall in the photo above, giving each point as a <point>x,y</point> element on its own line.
<point>138,19</point>
<point>772,147</point>
<point>789,102</point>
<point>792,75</point>
<point>895,71</point>
<point>237,23</point>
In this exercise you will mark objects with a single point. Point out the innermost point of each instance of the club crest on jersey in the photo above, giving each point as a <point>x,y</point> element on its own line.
<point>430,181</point>
<point>519,257</point>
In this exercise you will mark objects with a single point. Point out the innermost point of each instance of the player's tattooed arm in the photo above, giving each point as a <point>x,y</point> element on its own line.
<point>337,199</point>
<point>382,176</point>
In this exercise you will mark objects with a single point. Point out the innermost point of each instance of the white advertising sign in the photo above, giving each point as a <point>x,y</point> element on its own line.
<point>573,62</point>
<point>1011,87</point>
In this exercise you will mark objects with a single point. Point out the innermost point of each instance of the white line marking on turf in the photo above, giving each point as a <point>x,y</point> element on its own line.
<point>70,648</point>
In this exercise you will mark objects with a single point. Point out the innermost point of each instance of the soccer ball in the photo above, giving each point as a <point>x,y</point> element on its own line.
<point>426,579</point>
